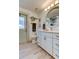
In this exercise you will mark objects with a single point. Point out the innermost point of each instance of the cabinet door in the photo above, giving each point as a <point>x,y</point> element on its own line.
<point>48,45</point>
<point>39,38</point>
<point>56,45</point>
<point>42,40</point>
<point>56,48</point>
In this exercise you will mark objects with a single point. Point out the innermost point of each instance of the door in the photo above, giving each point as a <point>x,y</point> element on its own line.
<point>22,29</point>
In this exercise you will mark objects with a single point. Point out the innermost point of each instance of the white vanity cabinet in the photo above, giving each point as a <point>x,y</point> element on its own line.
<point>56,45</point>
<point>49,41</point>
<point>39,38</point>
<point>49,45</point>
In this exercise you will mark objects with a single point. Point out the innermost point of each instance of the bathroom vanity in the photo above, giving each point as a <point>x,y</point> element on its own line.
<point>49,39</point>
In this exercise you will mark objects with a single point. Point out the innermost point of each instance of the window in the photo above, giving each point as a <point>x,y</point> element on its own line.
<point>21,22</point>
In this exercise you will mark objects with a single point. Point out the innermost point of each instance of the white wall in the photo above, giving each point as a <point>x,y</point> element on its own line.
<point>42,17</point>
<point>29,26</point>
<point>22,36</point>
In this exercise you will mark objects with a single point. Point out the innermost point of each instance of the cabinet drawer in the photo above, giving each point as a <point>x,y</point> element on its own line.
<point>56,52</point>
<point>56,40</point>
<point>50,35</point>
<point>48,45</point>
<point>56,56</point>
<point>56,46</point>
<point>56,36</point>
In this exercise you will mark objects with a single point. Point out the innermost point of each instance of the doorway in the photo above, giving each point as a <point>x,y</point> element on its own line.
<point>33,27</point>
<point>22,28</point>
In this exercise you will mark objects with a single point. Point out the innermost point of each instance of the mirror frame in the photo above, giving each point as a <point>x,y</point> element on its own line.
<point>55,7</point>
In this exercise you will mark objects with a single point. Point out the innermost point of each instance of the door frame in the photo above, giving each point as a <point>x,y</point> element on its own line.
<point>25,24</point>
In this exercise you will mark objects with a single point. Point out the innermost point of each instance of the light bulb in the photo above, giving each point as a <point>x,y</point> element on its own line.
<point>56,1</point>
<point>52,5</point>
<point>48,7</point>
<point>45,9</point>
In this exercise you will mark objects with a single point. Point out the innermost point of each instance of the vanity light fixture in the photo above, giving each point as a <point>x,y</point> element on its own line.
<point>56,2</point>
<point>52,5</point>
<point>48,7</point>
<point>45,9</point>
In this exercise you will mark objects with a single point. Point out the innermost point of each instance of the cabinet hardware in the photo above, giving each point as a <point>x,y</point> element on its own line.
<point>44,38</point>
<point>57,35</point>
<point>56,55</point>
<point>57,45</point>
<point>57,38</point>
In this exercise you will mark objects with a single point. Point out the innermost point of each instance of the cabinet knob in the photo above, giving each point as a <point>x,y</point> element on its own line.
<point>56,55</point>
<point>57,35</point>
<point>57,44</point>
<point>44,38</point>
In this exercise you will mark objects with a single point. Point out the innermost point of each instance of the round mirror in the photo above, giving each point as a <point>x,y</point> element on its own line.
<point>52,16</point>
<point>53,12</point>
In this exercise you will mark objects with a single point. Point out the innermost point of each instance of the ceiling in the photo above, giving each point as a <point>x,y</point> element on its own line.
<point>35,5</point>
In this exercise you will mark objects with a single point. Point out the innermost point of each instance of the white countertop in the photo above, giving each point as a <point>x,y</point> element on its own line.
<point>50,31</point>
